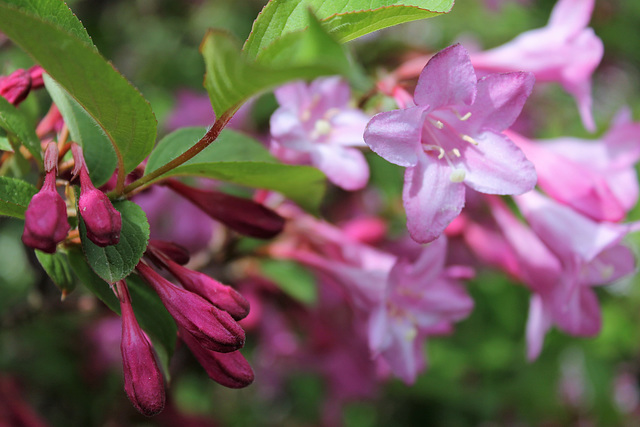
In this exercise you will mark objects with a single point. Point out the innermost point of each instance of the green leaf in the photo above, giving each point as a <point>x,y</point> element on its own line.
<point>57,268</point>
<point>4,144</point>
<point>118,108</point>
<point>232,78</point>
<point>55,12</point>
<point>292,278</point>
<point>148,308</point>
<point>343,19</point>
<point>239,159</point>
<point>98,153</point>
<point>115,262</point>
<point>16,122</point>
<point>15,195</point>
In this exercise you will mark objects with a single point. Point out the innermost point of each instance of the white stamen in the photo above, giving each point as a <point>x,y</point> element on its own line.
<point>411,334</point>
<point>465,117</point>
<point>437,124</point>
<point>322,127</point>
<point>456,152</point>
<point>457,175</point>
<point>437,148</point>
<point>469,139</point>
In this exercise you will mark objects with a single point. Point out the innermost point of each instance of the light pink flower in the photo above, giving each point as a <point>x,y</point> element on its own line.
<point>452,137</point>
<point>316,125</point>
<point>564,51</point>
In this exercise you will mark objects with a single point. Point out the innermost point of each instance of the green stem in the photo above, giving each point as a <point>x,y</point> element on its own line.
<point>211,135</point>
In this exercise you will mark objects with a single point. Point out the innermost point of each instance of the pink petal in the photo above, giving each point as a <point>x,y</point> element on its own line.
<point>395,135</point>
<point>431,200</point>
<point>329,92</point>
<point>538,324</point>
<point>448,79</point>
<point>293,96</point>
<point>497,166</point>
<point>348,128</point>
<point>570,16</point>
<point>610,265</point>
<point>577,311</point>
<point>345,167</point>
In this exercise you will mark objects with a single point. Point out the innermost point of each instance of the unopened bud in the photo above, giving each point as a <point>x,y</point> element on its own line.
<point>228,369</point>
<point>143,381</point>
<point>102,220</point>
<point>222,296</point>
<point>242,215</point>
<point>211,327</point>
<point>16,86</point>
<point>45,220</point>
<point>172,250</point>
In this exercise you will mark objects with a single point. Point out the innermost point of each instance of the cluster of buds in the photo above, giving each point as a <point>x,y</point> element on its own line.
<point>207,314</point>
<point>16,86</point>
<point>46,222</point>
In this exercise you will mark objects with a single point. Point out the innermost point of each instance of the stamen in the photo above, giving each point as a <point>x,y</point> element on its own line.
<point>434,148</point>
<point>469,139</point>
<point>322,127</point>
<point>457,175</point>
<point>456,152</point>
<point>465,117</point>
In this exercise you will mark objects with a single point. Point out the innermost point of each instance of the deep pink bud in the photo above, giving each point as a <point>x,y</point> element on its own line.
<point>172,250</point>
<point>222,296</point>
<point>102,220</point>
<point>211,327</point>
<point>228,369</point>
<point>242,215</point>
<point>45,220</point>
<point>35,73</point>
<point>16,86</point>
<point>143,380</point>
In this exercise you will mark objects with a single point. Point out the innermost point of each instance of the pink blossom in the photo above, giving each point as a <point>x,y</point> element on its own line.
<point>315,125</point>
<point>563,51</point>
<point>452,137</point>
<point>595,177</point>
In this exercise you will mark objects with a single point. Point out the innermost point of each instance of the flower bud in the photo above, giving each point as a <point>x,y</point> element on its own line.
<point>222,296</point>
<point>102,220</point>
<point>228,369</point>
<point>211,328</point>
<point>45,220</point>
<point>16,86</point>
<point>242,215</point>
<point>172,250</point>
<point>143,381</point>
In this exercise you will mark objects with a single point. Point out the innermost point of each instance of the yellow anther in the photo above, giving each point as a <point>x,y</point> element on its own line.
<point>465,117</point>
<point>469,139</point>
<point>457,175</point>
<point>456,152</point>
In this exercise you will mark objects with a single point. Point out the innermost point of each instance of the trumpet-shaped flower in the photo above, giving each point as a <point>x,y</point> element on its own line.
<point>563,51</point>
<point>452,138</point>
<point>315,125</point>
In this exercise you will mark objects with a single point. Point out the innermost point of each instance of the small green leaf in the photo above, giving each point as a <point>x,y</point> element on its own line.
<point>343,19</point>
<point>15,195</point>
<point>232,78</point>
<point>98,153</point>
<point>113,263</point>
<point>91,280</point>
<point>4,144</point>
<point>119,109</point>
<point>57,268</point>
<point>16,122</point>
<point>239,159</point>
<point>292,278</point>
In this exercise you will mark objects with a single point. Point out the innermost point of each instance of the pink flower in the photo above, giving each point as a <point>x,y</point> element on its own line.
<point>564,51</point>
<point>596,178</point>
<point>45,220</point>
<point>102,220</point>
<point>16,86</point>
<point>143,380</point>
<point>423,298</point>
<point>453,136</point>
<point>315,125</point>
<point>212,328</point>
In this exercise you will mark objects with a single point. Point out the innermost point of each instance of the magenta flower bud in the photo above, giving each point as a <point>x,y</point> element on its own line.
<point>228,369</point>
<point>102,220</point>
<point>222,296</point>
<point>242,215</point>
<point>45,220</point>
<point>35,73</point>
<point>143,380</point>
<point>172,250</point>
<point>211,328</point>
<point>16,86</point>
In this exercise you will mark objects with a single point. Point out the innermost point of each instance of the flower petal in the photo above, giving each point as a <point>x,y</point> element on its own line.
<point>538,323</point>
<point>431,200</point>
<point>345,167</point>
<point>448,79</point>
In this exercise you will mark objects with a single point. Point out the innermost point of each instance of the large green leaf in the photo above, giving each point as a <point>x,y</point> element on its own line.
<point>239,159</point>
<point>118,108</point>
<point>98,153</point>
<point>232,78</point>
<point>115,262</point>
<point>344,19</point>
<point>15,195</point>
<point>292,278</point>
<point>16,122</point>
